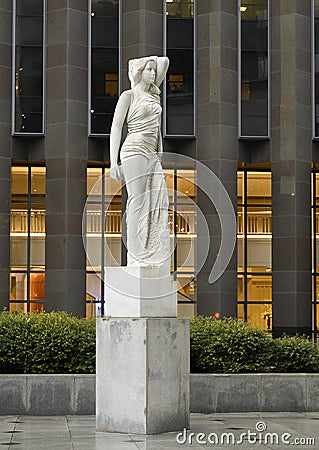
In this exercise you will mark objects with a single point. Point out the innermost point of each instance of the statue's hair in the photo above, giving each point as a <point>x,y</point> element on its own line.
<point>136,67</point>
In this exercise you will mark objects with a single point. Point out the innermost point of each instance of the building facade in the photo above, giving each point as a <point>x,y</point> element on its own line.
<point>241,96</point>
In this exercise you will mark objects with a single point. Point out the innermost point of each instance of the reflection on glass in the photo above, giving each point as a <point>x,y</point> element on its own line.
<point>29,67</point>
<point>104,64</point>
<point>38,181</point>
<point>186,252</point>
<point>254,232</point>
<point>19,180</point>
<point>103,233</point>
<point>240,312</point>
<point>19,251</point>
<point>180,76</point>
<point>18,286</point>
<point>186,295</point>
<point>260,315</point>
<point>112,252</point>
<point>258,238</point>
<point>186,287</point>
<point>27,238</point>
<point>240,241</point>
<point>93,295</point>
<point>240,288</point>
<point>315,249</point>
<point>254,67</point>
<point>186,310</point>
<point>259,288</point>
<point>182,217</point>
<point>186,183</point>
<point>180,8</point>
<point>317,189</point>
<point>259,187</point>
<point>37,252</point>
<point>240,187</point>
<point>93,175</point>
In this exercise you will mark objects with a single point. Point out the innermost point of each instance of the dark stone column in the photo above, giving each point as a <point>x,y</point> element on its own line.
<point>217,138</point>
<point>291,166</point>
<point>66,155</point>
<point>142,32</point>
<point>5,149</point>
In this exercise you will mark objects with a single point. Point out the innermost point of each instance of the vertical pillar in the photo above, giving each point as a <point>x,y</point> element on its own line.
<point>66,155</point>
<point>5,149</point>
<point>147,18</point>
<point>217,138</point>
<point>291,166</point>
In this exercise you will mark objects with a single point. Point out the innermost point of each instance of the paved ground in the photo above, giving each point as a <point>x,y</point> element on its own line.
<point>78,433</point>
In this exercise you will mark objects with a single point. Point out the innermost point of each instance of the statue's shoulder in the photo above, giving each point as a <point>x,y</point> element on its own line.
<point>127,95</point>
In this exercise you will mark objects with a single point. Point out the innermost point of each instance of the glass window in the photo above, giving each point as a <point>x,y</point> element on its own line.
<point>181,187</point>
<point>254,68</point>
<point>28,66</point>
<point>104,85</point>
<point>179,95</point>
<point>103,234</point>
<point>260,315</point>
<point>27,238</point>
<point>104,206</point>
<point>315,250</point>
<point>254,235</point>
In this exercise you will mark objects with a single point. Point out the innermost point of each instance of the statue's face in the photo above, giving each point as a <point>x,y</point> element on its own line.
<point>149,72</point>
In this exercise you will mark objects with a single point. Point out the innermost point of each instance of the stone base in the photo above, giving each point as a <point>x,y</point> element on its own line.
<point>142,375</point>
<point>139,292</point>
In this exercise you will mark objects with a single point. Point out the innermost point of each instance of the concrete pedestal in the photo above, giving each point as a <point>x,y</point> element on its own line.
<point>142,375</point>
<point>139,292</point>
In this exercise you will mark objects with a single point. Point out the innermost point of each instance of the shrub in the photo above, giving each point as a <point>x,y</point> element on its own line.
<point>57,342</point>
<point>46,343</point>
<point>294,354</point>
<point>229,346</point>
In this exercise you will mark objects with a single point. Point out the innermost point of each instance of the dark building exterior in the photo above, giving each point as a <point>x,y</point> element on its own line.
<point>241,96</point>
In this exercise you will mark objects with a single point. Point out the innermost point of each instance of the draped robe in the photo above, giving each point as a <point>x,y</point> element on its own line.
<point>148,240</point>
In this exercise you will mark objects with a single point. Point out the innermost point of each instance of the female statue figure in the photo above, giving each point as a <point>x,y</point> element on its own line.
<point>148,241</point>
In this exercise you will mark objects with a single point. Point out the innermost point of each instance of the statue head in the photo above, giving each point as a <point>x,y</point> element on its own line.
<point>136,67</point>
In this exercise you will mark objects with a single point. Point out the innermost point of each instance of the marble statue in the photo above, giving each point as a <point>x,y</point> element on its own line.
<point>148,240</point>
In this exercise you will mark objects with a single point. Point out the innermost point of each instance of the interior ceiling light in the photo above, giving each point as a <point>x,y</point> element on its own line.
<point>243,8</point>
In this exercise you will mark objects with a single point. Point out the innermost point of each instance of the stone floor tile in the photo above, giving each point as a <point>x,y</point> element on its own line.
<point>78,432</point>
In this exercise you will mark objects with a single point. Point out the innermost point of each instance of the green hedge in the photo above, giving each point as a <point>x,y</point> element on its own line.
<point>229,346</point>
<point>46,343</point>
<point>60,343</point>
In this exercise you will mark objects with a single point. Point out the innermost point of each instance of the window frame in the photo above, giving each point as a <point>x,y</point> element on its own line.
<point>314,273</point>
<point>90,134</point>
<point>174,207</point>
<point>13,72</point>
<point>245,274</point>
<point>28,271</point>
<point>240,135</point>
<point>194,134</point>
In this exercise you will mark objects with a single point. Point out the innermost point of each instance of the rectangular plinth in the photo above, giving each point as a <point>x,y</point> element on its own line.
<point>142,375</point>
<point>139,292</point>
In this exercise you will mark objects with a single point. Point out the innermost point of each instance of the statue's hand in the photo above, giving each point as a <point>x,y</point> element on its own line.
<point>116,173</point>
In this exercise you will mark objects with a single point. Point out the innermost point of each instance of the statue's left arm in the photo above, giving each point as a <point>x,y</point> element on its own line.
<point>162,64</point>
